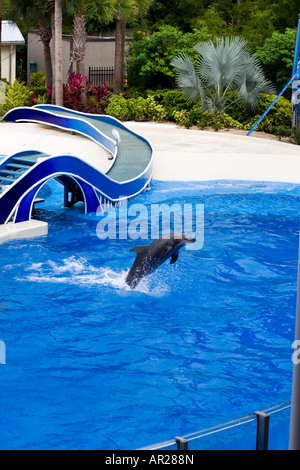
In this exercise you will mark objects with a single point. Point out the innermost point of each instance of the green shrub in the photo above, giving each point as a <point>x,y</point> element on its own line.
<point>198,115</point>
<point>204,119</point>
<point>17,94</point>
<point>38,88</point>
<point>182,118</point>
<point>118,107</point>
<point>174,100</point>
<point>138,108</point>
<point>39,99</point>
<point>295,136</point>
<point>149,58</point>
<point>38,80</point>
<point>279,115</point>
<point>156,112</point>
<point>281,131</point>
<point>276,56</point>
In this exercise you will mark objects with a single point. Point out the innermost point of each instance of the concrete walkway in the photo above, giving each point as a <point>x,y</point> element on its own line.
<point>195,155</point>
<point>180,154</point>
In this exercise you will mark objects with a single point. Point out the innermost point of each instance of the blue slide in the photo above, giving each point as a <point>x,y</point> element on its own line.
<point>24,173</point>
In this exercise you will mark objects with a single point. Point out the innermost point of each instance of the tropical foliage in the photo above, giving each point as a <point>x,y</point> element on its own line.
<point>182,33</point>
<point>225,72</point>
<point>149,58</point>
<point>17,94</point>
<point>276,55</point>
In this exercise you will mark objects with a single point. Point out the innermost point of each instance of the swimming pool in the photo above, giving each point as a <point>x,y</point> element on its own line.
<point>91,364</point>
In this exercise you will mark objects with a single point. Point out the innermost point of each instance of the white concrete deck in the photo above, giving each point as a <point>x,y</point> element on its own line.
<point>195,155</point>
<point>180,154</point>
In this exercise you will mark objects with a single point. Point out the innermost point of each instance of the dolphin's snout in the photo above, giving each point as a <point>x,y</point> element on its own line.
<point>188,239</point>
<point>181,237</point>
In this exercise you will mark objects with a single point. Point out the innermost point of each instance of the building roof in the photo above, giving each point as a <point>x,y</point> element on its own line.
<point>11,33</point>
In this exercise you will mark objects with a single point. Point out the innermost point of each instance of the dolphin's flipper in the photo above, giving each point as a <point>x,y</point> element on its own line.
<point>174,258</point>
<point>138,249</point>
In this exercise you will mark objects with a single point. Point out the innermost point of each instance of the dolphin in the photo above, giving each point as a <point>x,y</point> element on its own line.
<point>149,257</point>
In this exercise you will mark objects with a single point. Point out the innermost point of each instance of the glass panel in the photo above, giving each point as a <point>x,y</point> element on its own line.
<point>279,430</point>
<point>241,437</point>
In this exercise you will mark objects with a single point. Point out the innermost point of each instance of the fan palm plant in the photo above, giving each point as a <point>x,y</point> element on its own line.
<point>225,72</point>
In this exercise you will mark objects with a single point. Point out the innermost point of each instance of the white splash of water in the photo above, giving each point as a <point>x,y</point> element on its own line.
<point>77,271</point>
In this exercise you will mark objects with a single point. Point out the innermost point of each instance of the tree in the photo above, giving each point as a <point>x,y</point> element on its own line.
<point>225,72</point>
<point>149,58</point>
<point>213,20</point>
<point>58,70</point>
<point>0,37</point>
<point>180,13</point>
<point>36,12</point>
<point>79,40</point>
<point>103,9</point>
<point>46,36</point>
<point>254,22</point>
<point>277,55</point>
<point>125,11</point>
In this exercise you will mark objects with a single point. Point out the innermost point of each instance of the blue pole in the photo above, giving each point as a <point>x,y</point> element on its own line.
<point>272,104</point>
<point>295,105</point>
<point>294,75</point>
<point>297,49</point>
<point>294,442</point>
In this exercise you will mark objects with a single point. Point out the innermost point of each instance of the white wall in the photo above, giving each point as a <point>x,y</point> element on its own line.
<point>100,52</point>
<point>8,66</point>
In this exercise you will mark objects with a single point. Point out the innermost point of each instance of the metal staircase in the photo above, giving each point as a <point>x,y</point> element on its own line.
<point>14,167</point>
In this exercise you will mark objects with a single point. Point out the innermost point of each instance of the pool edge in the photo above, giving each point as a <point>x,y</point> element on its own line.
<point>28,229</point>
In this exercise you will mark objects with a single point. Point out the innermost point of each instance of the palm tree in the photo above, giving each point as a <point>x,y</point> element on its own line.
<point>103,7</point>
<point>58,70</point>
<point>225,72</point>
<point>36,11</point>
<point>125,11</point>
<point>79,40</point>
<point>46,36</point>
<point>0,35</point>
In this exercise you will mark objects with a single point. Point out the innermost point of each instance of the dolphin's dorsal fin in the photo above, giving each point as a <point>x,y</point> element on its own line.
<point>138,249</point>
<point>174,258</point>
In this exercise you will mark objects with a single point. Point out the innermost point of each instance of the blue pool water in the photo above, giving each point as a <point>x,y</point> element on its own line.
<point>91,364</point>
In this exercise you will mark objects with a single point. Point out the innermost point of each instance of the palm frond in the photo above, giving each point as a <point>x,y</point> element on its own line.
<point>127,9</point>
<point>222,62</point>
<point>186,78</point>
<point>222,68</point>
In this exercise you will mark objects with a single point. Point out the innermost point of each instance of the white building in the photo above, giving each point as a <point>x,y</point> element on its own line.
<point>11,38</point>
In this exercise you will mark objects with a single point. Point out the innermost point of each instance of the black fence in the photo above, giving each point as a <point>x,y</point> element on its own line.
<point>100,75</point>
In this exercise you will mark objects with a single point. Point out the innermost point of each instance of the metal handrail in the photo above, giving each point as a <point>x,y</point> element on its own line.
<point>182,442</point>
